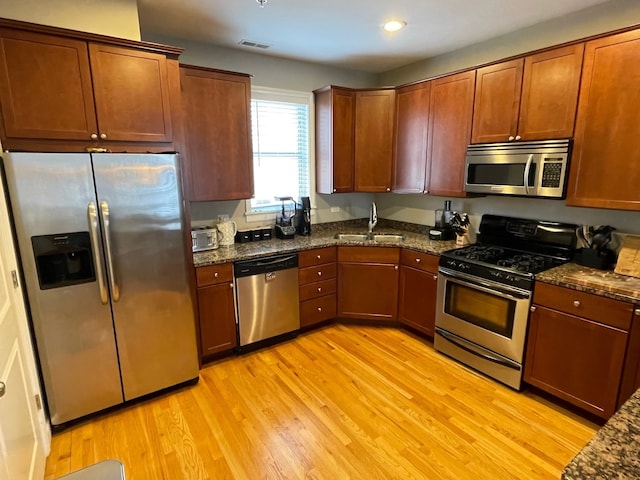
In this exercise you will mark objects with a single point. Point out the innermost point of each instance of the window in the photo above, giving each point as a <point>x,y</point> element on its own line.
<point>280,130</point>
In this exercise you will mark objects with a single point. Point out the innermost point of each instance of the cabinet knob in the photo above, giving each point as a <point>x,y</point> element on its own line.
<point>576,303</point>
<point>319,274</point>
<point>319,309</point>
<point>103,136</point>
<point>335,190</point>
<point>3,389</point>
<point>637,311</point>
<point>395,267</point>
<point>418,260</point>
<point>511,138</point>
<point>94,136</point>
<point>388,189</point>
<point>532,308</point>
<point>318,257</point>
<point>231,285</point>
<point>319,289</point>
<point>215,275</point>
<point>518,137</point>
<point>435,277</point>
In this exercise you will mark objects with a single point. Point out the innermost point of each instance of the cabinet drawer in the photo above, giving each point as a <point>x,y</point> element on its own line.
<point>586,305</point>
<point>317,310</point>
<point>317,289</point>
<point>369,254</point>
<point>421,261</point>
<point>212,274</point>
<point>317,256</point>
<point>317,273</point>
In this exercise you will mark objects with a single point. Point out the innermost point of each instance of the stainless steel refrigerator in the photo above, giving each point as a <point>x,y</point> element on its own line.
<point>102,246</point>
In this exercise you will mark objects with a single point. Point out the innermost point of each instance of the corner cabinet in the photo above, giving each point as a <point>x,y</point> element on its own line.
<point>449,134</point>
<point>368,282</point>
<point>410,146</point>
<point>418,288</point>
<point>216,309</point>
<point>87,91</point>
<point>577,347</point>
<point>217,118</point>
<point>605,165</point>
<point>335,112</point>
<point>373,154</point>
<point>531,98</point>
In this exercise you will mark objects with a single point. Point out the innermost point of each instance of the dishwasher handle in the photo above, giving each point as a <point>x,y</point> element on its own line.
<point>265,264</point>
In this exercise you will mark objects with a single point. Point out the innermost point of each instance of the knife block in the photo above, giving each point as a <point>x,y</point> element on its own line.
<point>463,239</point>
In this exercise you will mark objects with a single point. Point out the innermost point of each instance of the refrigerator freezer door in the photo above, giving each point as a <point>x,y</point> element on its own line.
<point>50,194</point>
<point>141,208</point>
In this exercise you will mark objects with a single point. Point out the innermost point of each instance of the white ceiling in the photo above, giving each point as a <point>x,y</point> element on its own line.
<point>348,33</point>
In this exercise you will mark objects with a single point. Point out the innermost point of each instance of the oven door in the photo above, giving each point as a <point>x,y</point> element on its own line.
<point>489,314</point>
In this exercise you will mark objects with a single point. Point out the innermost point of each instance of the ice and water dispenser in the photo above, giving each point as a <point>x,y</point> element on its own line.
<point>63,259</point>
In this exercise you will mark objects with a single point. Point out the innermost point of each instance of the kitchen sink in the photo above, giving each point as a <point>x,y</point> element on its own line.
<point>370,237</point>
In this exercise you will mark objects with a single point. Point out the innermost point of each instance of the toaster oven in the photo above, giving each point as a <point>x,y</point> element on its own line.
<point>204,238</point>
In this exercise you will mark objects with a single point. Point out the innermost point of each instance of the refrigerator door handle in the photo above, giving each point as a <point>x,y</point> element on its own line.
<point>92,214</point>
<point>115,290</point>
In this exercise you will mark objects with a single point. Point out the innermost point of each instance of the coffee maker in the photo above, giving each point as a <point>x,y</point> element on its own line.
<point>303,216</point>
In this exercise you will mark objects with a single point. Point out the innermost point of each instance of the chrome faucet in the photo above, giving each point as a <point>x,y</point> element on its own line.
<point>373,217</point>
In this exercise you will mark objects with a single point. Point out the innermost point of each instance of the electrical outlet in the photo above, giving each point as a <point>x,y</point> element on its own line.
<point>335,209</point>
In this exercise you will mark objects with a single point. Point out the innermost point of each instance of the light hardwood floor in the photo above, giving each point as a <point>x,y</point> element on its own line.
<point>342,402</point>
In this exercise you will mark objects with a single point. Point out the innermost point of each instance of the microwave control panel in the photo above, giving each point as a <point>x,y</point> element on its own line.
<point>551,172</point>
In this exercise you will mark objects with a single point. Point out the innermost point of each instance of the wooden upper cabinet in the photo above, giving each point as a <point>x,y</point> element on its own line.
<point>217,118</point>
<point>62,90</point>
<point>45,88</point>
<point>450,113</point>
<point>131,90</point>
<point>411,127</point>
<point>374,140</point>
<point>531,98</point>
<point>497,98</point>
<point>335,112</point>
<point>605,168</point>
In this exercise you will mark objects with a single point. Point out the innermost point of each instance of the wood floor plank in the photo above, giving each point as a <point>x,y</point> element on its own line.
<point>341,402</point>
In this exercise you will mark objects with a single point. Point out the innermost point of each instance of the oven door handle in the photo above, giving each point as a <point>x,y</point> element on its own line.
<point>468,347</point>
<point>478,284</point>
<point>527,168</point>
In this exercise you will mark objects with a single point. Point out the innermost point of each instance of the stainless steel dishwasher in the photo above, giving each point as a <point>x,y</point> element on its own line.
<point>267,298</point>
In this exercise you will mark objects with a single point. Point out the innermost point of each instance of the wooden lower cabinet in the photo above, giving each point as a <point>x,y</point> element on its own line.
<point>317,285</point>
<point>216,306</point>
<point>418,288</point>
<point>368,282</point>
<point>577,347</point>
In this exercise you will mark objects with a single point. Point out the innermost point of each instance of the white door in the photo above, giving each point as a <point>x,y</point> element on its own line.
<point>24,432</point>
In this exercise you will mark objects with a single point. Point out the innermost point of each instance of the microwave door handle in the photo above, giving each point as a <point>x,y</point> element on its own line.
<point>527,168</point>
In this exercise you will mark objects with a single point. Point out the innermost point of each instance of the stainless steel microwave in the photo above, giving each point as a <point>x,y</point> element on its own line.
<point>535,169</point>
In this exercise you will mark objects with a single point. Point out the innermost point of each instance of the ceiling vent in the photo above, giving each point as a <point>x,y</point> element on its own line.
<point>249,43</point>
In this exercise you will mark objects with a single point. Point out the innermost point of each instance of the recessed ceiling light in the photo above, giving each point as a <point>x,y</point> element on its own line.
<point>394,25</point>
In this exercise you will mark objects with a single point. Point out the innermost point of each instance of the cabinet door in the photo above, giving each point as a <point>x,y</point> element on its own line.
<point>45,88</point>
<point>374,140</point>
<point>550,93</point>
<point>605,163</point>
<point>497,101</point>
<point>334,140</point>
<point>131,89</point>
<point>217,119</point>
<point>450,113</point>
<point>368,291</point>
<point>575,359</point>
<point>411,126</point>
<point>417,303</point>
<point>217,318</point>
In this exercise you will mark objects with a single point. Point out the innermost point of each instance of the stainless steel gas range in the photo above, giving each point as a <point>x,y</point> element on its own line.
<point>485,291</point>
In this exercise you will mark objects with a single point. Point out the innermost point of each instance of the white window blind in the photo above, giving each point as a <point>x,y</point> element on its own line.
<point>280,129</point>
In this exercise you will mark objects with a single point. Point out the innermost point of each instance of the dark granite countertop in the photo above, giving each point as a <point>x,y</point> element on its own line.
<point>614,452</point>
<point>323,235</point>
<point>590,280</point>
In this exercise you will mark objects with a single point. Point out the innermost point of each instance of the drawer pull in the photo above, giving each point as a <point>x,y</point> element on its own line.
<point>576,303</point>
<point>319,309</point>
<point>418,260</point>
<point>319,289</point>
<point>215,275</point>
<point>318,257</point>
<point>319,274</point>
